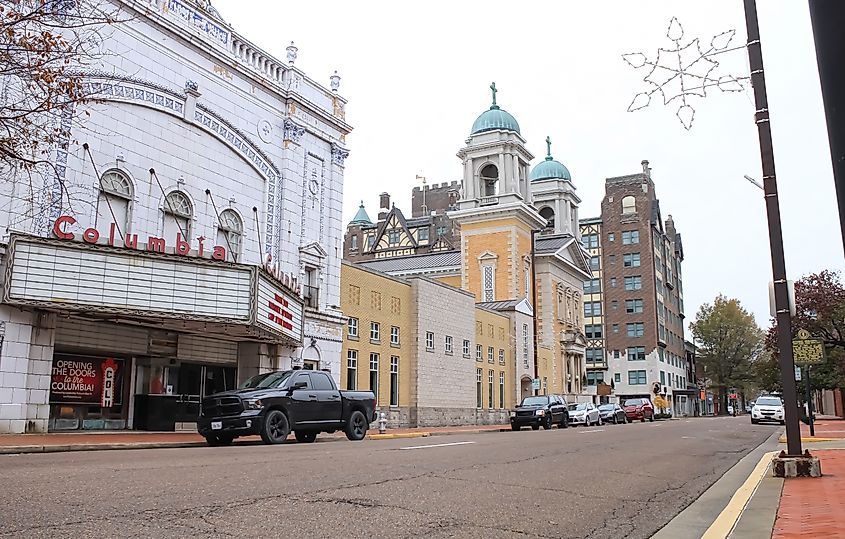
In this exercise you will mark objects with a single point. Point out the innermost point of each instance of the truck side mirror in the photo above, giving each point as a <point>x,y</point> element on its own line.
<point>297,385</point>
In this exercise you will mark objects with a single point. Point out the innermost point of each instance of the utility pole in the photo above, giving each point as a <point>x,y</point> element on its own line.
<point>767,159</point>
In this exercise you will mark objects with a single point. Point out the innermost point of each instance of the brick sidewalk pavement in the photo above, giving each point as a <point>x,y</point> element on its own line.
<point>814,507</point>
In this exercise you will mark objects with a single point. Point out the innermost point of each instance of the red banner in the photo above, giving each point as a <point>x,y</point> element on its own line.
<point>86,380</point>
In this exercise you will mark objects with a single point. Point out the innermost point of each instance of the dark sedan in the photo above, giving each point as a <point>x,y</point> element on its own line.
<point>612,413</point>
<point>542,410</point>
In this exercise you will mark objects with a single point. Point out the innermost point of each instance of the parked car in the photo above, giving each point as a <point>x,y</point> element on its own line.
<point>641,409</point>
<point>276,403</point>
<point>540,410</point>
<point>768,409</point>
<point>749,406</point>
<point>612,413</point>
<point>584,413</point>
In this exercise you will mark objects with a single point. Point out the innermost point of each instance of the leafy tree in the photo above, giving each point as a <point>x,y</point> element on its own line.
<point>728,339</point>
<point>46,46</point>
<point>820,309</point>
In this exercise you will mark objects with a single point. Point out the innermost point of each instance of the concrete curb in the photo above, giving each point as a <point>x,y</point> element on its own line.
<point>782,440</point>
<point>22,449</point>
<point>64,448</point>
<point>398,435</point>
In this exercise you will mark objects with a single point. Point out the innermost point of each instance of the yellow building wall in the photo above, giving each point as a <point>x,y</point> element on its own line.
<point>372,297</point>
<point>510,278</point>
<point>493,330</point>
<point>451,280</point>
<point>549,369</point>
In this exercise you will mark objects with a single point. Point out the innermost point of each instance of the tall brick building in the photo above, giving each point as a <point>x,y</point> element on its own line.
<point>642,292</point>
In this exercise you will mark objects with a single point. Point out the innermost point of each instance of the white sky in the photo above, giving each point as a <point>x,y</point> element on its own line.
<point>417,74</point>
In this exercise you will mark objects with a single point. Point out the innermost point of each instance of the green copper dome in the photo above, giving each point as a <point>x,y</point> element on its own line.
<point>550,169</point>
<point>361,218</point>
<point>494,118</point>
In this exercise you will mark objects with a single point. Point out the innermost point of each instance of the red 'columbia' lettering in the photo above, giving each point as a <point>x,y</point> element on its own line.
<point>130,241</point>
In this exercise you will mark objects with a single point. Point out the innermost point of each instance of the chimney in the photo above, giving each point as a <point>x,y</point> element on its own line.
<point>646,169</point>
<point>384,206</point>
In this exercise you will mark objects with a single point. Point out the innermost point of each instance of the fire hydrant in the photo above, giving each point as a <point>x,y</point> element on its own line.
<point>382,423</point>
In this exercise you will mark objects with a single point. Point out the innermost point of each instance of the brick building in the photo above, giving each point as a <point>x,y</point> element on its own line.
<point>642,292</point>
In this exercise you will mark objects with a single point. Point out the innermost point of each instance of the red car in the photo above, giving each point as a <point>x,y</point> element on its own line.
<point>638,409</point>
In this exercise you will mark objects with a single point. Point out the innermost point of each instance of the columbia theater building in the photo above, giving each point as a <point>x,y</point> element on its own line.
<point>191,238</point>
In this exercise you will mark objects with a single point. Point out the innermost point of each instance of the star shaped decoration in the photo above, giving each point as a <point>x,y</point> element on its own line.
<point>683,71</point>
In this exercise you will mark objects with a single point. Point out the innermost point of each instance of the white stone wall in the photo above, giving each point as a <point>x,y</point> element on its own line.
<point>257,133</point>
<point>443,380</point>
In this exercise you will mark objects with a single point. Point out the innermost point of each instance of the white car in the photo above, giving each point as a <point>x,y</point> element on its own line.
<point>767,409</point>
<point>584,413</point>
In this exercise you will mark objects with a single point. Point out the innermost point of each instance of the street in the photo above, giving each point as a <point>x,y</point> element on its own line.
<point>613,481</point>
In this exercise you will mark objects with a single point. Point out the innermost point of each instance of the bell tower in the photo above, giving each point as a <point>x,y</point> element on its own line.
<point>496,214</point>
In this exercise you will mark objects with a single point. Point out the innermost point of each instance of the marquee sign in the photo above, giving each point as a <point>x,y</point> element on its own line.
<point>58,275</point>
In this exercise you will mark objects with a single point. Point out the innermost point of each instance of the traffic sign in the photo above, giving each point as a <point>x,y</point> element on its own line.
<point>797,373</point>
<point>807,350</point>
<point>535,383</point>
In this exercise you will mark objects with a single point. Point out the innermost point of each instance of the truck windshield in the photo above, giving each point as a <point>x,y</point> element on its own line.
<point>270,379</point>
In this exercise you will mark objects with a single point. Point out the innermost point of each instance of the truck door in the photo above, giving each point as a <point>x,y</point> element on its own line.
<point>302,406</point>
<point>330,406</point>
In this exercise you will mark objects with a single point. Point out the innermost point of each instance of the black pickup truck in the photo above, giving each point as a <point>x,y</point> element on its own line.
<point>274,404</point>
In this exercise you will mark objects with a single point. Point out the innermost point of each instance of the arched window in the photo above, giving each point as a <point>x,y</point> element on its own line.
<point>549,215</point>
<point>114,200</point>
<point>629,204</point>
<point>230,231</point>
<point>489,180</point>
<point>178,212</point>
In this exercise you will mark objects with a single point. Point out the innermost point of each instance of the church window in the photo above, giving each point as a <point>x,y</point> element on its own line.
<point>489,180</point>
<point>629,204</point>
<point>489,274</point>
<point>548,215</point>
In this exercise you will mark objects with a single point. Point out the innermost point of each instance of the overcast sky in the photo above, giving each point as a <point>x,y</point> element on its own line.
<point>416,75</point>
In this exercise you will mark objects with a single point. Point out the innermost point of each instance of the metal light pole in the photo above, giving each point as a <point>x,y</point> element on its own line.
<point>767,158</point>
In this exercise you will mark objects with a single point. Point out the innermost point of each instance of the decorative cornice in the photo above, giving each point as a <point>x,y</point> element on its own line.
<point>293,131</point>
<point>339,154</point>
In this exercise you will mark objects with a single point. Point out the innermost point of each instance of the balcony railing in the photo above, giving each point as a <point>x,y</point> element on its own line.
<point>311,294</point>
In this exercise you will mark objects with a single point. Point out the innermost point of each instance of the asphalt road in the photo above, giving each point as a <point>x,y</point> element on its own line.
<point>616,481</point>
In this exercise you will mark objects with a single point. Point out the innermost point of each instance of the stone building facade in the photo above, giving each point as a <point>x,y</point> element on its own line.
<point>197,235</point>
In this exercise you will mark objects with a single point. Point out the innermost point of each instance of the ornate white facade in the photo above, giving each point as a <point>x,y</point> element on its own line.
<point>195,131</point>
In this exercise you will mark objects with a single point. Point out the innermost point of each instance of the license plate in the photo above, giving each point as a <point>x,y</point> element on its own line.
<point>216,425</point>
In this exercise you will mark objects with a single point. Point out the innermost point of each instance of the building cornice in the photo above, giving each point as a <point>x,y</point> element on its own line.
<point>521,210</point>
<point>154,11</point>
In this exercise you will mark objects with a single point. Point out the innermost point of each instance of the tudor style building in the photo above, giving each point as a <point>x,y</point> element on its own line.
<point>190,239</point>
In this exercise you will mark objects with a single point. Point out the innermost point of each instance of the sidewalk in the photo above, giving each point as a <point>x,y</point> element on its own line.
<point>827,429</point>
<point>814,507</point>
<point>93,441</point>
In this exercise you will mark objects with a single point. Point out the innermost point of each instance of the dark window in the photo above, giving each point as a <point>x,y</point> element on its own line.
<point>630,237</point>
<point>631,260</point>
<point>303,377</point>
<point>633,306</point>
<point>320,381</point>
<point>422,234</point>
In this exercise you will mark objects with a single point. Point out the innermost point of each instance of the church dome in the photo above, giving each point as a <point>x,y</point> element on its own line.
<point>549,168</point>
<point>494,118</point>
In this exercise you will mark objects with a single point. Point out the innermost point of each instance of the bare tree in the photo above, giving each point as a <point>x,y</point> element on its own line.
<point>45,49</point>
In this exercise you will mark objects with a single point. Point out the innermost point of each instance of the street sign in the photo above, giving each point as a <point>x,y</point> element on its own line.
<point>535,383</point>
<point>806,349</point>
<point>797,374</point>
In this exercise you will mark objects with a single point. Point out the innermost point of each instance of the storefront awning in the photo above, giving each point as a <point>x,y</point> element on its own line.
<point>179,292</point>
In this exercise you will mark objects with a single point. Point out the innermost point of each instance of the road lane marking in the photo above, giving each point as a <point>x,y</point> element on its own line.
<point>435,445</point>
<point>687,437</point>
<point>725,522</point>
<point>591,430</point>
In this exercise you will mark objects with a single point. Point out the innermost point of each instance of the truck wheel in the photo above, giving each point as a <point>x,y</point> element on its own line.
<point>305,436</point>
<point>514,427</point>
<point>276,427</point>
<point>356,428</point>
<point>564,423</point>
<point>216,441</point>
<point>547,424</point>
<point>535,427</point>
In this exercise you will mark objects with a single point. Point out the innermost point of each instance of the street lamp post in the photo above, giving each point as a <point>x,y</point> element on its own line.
<point>767,159</point>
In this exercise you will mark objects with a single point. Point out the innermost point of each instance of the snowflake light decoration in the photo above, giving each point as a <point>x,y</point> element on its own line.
<point>684,71</point>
